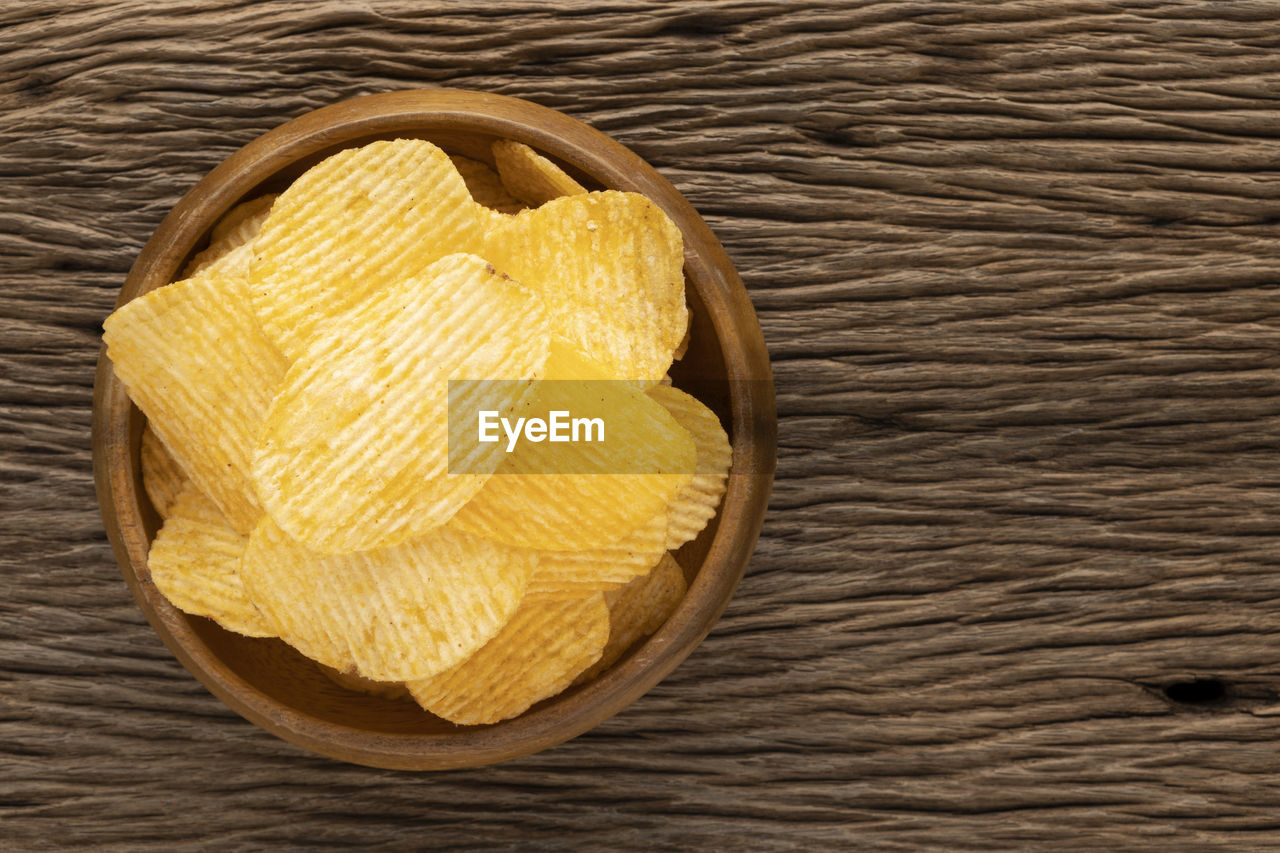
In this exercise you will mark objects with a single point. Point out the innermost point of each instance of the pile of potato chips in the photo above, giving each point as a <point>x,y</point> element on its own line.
<point>295,383</point>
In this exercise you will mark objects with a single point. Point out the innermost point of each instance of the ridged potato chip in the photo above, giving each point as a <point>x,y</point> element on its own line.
<point>485,186</point>
<point>696,501</point>
<point>611,269</point>
<point>357,683</point>
<point>548,641</point>
<point>360,221</point>
<point>162,478</point>
<point>529,176</point>
<point>230,224</point>
<point>637,610</point>
<point>390,614</point>
<point>231,241</point>
<point>593,506</point>
<point>354,451</point>
<point>601,569</point>
<point>195,563</point>
<point>683,346</point>
<point>196,363</point>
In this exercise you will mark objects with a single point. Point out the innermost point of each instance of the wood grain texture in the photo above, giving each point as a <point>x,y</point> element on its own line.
<point>1017,266</point>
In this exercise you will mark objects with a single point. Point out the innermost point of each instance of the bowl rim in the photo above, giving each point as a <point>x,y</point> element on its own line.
<point>421,112</point>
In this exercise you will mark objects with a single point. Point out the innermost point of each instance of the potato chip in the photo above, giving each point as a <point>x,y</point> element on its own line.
<point>610,267</point>
<point>391,614</point>
<point>196,363</point>
<point>683,346</point>
<point>162,478</point>
<point>639,609</point>
<point>360,221</point>
<point>696,502</point>
<point>231,242</point>
<point>357,683</point>
<point>354,451</point>
<point>195,562</point>
<point>593,506</point>
<point>485,186</point>
<point>575,573</point>
<point>548,641</point>
<point>230,224</point>
<point>529,176</point>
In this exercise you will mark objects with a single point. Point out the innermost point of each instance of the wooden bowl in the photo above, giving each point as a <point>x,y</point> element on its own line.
<point>727,366</point>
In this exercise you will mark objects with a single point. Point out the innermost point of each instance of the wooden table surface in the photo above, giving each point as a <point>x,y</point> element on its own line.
<point>1017,265</point>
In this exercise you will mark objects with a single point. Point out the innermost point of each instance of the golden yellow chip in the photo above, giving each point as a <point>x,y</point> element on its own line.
<point>196,363</point>
<point>391,614</point>
<point>683,346</point>
<point>529,176</point>
<point>354,451</point>
<point>548,641</point>
<point>357,683</point>
<point>485,185</point>
<point>231,223</point>
<point>195,562</point>
<point>696,502</point>
<point>360,221</point>
<point>231,242</point>
<point>638,609</point>
<point>611,269</point>
<point>575,573</point>
<point>162,478</point>
<point>593,506</point>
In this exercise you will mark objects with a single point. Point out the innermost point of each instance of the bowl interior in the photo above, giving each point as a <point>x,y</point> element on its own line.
<point>275,686</point>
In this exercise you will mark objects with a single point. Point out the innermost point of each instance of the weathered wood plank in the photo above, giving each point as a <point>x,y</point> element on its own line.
<point>1016,263</point>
